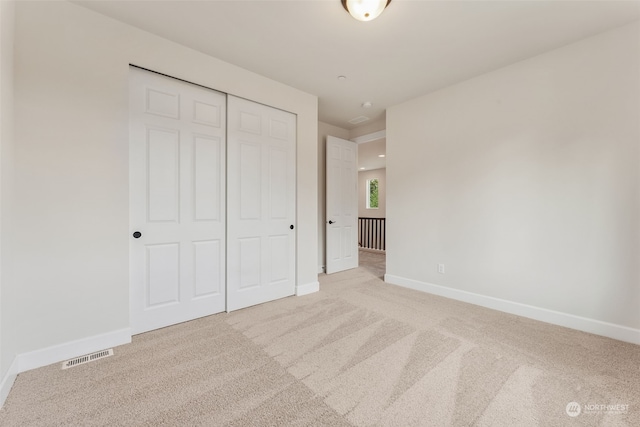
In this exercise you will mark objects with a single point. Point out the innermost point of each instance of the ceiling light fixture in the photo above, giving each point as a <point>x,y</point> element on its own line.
<point>380,155</point>
<point>365,10</point>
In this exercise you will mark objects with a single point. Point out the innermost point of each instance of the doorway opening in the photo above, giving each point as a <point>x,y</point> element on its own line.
<point>353,224</point>
<point>372,178</point>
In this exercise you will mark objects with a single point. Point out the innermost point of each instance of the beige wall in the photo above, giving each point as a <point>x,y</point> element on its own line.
<point>525,183</point>
<point>7,15</point>
<point>324,130</point>
<point>71,228</point>
<point>381,176</point>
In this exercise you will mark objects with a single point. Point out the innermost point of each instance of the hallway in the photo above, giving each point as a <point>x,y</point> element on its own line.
<point>374,262</point>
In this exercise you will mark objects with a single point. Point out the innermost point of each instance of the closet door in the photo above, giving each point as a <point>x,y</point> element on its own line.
<point>260,203</point>
<point>177,194</point>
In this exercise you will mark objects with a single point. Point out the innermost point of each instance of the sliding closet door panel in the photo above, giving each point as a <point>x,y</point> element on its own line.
<point>177,201</point>
<point>260,203</point>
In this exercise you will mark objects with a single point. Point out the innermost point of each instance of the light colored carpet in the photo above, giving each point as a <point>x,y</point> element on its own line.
<point>373,262</point>
<point>357,353</point>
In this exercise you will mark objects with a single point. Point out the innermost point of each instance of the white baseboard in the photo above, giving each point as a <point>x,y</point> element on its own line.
<point>8,380</point>
<point>320,269</point>
<point>307,288</point>
<point>610,330</point>
<point>58,353</point>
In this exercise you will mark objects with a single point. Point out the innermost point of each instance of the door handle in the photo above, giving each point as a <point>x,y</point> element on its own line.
<point>332,222</point>
<point>137,234</point>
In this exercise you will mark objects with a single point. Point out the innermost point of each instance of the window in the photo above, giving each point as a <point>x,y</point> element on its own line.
<point>372,193</point>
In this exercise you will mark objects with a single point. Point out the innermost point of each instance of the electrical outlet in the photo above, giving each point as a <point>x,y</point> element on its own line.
<point>441,268</point>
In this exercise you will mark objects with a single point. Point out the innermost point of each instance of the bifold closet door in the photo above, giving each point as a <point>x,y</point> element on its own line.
<point>177,201</point>
<point>261,190</point>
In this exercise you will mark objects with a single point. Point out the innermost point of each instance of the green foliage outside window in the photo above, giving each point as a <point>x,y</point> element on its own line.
<point>372,194</point>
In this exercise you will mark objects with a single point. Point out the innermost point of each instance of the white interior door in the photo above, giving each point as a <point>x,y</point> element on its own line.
<point>342,205</point>
<point>177,201</point>
<point>260,203</point>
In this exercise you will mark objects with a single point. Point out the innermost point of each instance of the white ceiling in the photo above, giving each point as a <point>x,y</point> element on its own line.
<point>413,48</point>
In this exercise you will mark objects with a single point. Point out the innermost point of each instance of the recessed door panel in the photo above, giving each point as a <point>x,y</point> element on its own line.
<point>206,114</point>
<point>334,238</point>
<point>278,181</point>
<point>163,280</point>
<point>208,279</point>
<point>250,191</point>
<point>163,167</point>
<point>278,260</point>
<point>207,178</point>
<point>278,129</point>
<point>250,122</point>
<point>249,262</point>
<point>348,236</point>
<point>162,103</point>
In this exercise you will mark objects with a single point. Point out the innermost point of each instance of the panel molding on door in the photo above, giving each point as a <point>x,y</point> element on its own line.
<point>260,203</point>
<point>177,194</point>
<point>342,205</point>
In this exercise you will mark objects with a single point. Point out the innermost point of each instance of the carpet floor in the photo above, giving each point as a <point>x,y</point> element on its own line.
<point>358,353</point>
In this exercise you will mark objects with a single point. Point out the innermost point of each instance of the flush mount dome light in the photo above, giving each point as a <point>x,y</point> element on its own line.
<point>365,10</point>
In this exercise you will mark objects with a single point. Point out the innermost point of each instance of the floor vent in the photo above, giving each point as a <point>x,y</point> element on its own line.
<point>87,358</point>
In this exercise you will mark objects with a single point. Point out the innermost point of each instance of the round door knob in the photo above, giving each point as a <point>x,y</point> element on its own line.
<point>291,226</point>
<point>331,222</point>
<point>137,234</point>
